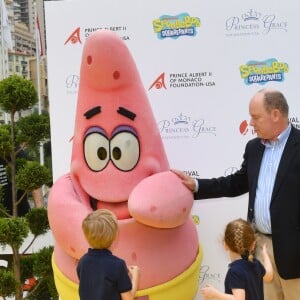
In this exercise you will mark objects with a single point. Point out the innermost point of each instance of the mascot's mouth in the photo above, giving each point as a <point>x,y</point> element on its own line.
<point>120,209</point>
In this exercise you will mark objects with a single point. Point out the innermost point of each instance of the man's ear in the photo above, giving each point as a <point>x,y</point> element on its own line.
<point>275,114</point>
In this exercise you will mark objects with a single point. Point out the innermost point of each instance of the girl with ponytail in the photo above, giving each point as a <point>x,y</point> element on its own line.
<point>245,275</point>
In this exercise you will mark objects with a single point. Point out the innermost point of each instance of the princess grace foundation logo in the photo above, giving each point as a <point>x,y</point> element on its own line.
<point>254,23</point>
<point>183,126</point>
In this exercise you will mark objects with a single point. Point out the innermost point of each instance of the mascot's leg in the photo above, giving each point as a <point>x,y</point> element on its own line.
<point>66,288</point>
<point>184,286</point>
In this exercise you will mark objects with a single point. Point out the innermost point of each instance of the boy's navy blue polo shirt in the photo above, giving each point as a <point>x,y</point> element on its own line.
<point>102,276</point>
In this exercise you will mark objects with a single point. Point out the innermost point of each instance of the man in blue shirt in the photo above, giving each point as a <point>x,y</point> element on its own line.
<point>270,173</point>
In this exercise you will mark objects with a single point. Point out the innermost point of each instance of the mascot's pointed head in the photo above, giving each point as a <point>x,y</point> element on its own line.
<point>116,141</point>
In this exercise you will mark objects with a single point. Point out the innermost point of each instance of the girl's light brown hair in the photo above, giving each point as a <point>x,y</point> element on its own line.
<point>100,228</point>
<point>240,238</point>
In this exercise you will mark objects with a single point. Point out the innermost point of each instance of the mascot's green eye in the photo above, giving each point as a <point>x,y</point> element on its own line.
<point>96,150</point>
<point>102,153</point>
<point>125,151</point>
<point>116,152</point>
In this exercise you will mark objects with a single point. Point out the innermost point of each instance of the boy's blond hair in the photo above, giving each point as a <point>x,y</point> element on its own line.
<point>100,228</point>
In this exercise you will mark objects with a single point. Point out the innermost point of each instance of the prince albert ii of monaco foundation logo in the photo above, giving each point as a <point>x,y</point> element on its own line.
<point>77,35</point>
<point>184,80</point>
<point>74,37</point>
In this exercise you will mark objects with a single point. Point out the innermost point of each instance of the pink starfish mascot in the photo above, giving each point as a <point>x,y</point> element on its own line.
<point>119,163</point>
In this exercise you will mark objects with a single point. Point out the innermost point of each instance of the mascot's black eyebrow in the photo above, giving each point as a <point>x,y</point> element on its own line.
<point>126,113</point>
<point>92,112</point>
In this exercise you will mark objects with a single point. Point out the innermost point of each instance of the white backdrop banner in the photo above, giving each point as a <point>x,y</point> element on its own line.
<point>200,63</point>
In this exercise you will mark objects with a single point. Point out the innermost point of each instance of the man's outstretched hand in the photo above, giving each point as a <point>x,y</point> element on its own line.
<point>187,180</point>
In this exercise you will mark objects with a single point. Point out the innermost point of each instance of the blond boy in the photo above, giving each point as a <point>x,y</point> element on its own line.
<point>101,274</point>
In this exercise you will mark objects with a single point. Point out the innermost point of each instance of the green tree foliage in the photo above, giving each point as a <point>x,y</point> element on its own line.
<point>32,129</point>
<point>17,94</point>
<point>24,130</point>
<point>31,176</point>
<point>37,221</point>
<point>13,231</point>
<point>6,145</point>
<point>8,283</point>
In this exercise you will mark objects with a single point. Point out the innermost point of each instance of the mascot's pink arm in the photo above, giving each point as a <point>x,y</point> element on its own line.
<point>161,201</point>
<point>66,210</point>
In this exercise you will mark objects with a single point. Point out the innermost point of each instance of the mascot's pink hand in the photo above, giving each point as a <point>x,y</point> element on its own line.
<point>161,201</point>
